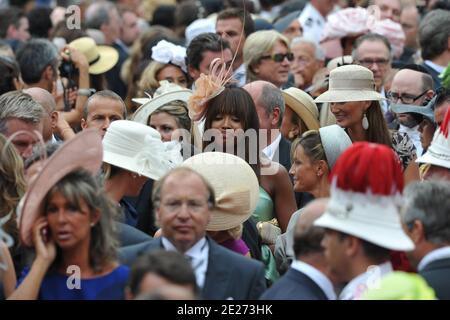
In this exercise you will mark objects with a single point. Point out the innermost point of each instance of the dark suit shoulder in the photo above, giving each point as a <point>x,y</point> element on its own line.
<point>436,274</point>
<point>294,285</point>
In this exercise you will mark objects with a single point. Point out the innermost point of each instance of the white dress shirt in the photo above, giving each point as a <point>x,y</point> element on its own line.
<point>435,66</point>
<point>358,285</point>
<point>269,151</point>
<point>239,76</point>
<point>198,255</point>
<point>317,276</point>
<point>414,134</point>
<point>437,254</point>
<point>312,22</point>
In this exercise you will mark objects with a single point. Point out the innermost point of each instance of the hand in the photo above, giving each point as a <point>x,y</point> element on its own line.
<point>78,58</point>
<point>45,246</point>
<point>62,127</point>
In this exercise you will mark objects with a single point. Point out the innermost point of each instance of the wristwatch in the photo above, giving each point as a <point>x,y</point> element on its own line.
<point>86,92</point>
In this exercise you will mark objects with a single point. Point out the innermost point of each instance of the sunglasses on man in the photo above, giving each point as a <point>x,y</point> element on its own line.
<point>279,57</point>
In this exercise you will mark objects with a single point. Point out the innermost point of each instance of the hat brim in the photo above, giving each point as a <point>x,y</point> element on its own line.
<point>429,158</point>
<point>126,163</point>
<point>84,151</point>
<point>393,238</point>
<point>349,95</point>
<point>303,110</point>
<point>108,59</point>
<point>403,108</point>
<point>144,111</point>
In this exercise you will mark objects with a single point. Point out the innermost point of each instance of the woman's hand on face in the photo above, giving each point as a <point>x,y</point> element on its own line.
<point>45,246</point>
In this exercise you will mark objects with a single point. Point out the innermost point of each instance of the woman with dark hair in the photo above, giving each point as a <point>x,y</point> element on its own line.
<point>10,71</point>
<point>356,106</point>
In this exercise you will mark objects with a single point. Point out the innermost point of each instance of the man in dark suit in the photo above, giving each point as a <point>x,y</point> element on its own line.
<point>426,220</point>
<point>183,201</point>
<point>308,276</point>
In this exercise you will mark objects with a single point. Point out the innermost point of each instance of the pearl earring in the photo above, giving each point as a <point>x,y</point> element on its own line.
<point>365,122</point>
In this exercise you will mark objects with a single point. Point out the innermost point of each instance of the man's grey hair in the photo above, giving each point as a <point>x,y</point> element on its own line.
<point>270,98</point>
<point>372,37</point>
<point>429,202</point>
<point>34,56</point>
<point>98,14</point>
<point>105,94</point>
<point>434,31</point>
<point>19,105</point>
<point>318,51</point>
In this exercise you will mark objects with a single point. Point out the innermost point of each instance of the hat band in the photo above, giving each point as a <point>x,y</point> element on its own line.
<point>95,60</point>
<point>352,84</point>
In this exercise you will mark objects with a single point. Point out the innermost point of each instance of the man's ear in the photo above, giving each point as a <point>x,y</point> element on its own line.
<point>54,119</point>
<point>276,113</point>
<point>48,74</point>
<point>352,245</point>
<point>417,232</point>
<point>11,31</point>
<point>83,123</point>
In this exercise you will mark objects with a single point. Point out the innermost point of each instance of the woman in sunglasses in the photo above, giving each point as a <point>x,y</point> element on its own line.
<point>267,57</point>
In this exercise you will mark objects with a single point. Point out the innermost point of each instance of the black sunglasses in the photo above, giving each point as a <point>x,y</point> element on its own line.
<point>279,57</point>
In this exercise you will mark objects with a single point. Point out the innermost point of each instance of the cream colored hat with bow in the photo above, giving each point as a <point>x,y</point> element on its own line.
<point>235,185</point>
<point>138,148</point>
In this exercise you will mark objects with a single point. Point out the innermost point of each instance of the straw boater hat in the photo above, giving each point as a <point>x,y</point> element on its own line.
<point>438,153</point>
<point>138,148</point>
<point>166,93</point>
<point>367,182</point>
<point>235,185</point>
<point>334,141</point>
<point>100,58</point>
<point>303,105</point>
<point>350,83</point>
<point>84,151</point>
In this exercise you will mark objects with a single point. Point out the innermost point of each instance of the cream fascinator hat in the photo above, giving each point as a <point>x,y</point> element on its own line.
<point>235,185</point>
<point>350,83</point>
<point>334,141</point>
<point>138,148</point>
<point>166,93</point>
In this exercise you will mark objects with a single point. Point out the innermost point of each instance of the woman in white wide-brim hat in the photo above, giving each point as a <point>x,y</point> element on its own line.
<point>134,153</point>
<point>356,106</point>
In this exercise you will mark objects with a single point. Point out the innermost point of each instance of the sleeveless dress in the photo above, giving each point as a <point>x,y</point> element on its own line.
<point>55,286</point>
<point>265,212</point>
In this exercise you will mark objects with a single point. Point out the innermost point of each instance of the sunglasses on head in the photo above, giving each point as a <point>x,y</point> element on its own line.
<point>279,57</point>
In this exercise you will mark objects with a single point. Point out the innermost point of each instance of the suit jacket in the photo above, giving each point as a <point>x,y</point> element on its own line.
<point>294,285</point>
<point>436,274</point>
<point>115,83</point>
<point>434,74</point>
<point>229,275</point>
<point>283,153</point>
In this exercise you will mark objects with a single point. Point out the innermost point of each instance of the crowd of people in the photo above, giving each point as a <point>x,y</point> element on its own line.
<point>240,149</point>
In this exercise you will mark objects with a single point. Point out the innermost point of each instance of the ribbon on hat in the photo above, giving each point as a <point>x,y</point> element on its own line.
<point>167,52</point>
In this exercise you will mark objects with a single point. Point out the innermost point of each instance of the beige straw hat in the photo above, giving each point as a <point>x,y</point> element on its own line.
<point>350,83</point>
<point>100,58</point>
<point>235,185</point>
<point>303,105</point>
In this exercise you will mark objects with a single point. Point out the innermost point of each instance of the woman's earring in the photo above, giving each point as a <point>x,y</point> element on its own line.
<point>365,122</point>
<point>92,224</point>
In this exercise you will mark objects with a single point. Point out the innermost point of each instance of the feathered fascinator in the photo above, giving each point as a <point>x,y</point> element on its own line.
<point>167,52</point>
<point>208,87</point>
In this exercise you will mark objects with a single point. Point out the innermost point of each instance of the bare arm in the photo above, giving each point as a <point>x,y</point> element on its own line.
<point>45,254</point>
<point>8,276</point>
<point>411,172</point>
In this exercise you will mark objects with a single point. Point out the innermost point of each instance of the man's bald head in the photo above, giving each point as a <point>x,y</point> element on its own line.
<point>307,237</point>
<point>255,88</point>
<point>43,97</point>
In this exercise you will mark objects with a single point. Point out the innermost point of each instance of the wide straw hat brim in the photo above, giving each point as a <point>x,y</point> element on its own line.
<point>393,238</point>
<point>84,151</point>
<point>144,111</point>
<point>108,59</point>
<point>349,95</point>
<point>303,105</point>
<point>235,185</point>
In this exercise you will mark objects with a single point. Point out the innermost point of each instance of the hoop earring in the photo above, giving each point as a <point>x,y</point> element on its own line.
<point>365,122</point>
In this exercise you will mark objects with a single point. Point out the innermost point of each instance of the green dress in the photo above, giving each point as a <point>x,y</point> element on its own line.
<point>265,212</point>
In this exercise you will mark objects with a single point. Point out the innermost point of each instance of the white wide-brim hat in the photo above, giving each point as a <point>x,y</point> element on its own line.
<point>334,141</point>
<point>235,186</point>
<point>438,152</point>
<point>303,105</point>
<point>138,148</point>
<point>372,218</point>
<point>350,83</point>
<point>166,93</point>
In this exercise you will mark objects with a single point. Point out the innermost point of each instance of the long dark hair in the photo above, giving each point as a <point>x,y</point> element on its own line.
<point>238,103</point>
<point>378,131</point>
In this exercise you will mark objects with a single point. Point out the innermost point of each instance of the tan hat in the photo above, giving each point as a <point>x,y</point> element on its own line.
<point>235,185</point>
<point>100,58</point>
<point>166,93</point>
<point>350,83</point>
<point>82,151</point>
<point>303,105</point>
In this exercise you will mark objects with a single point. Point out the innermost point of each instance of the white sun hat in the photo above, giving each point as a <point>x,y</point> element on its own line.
<point>235,186</point>
<point>334,141</point>
<point>438,153</point>
<point>138,148</point>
